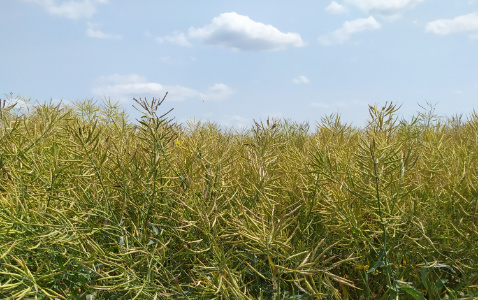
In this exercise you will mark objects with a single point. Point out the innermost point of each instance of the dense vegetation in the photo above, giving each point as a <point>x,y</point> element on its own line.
<point>95,206</point>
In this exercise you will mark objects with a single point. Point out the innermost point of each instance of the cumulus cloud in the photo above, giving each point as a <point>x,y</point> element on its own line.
<point>70,9</point>
<point>461,24</point>
<point>94,32</point>
<point>349,28</point>
<point>385,8</point>
<point>125,87</point>
<point>238,32</point>
<point>335,8</point>
<point>300,80</point>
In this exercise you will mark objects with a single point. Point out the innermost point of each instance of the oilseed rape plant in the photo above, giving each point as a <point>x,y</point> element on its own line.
<point>96,206</point>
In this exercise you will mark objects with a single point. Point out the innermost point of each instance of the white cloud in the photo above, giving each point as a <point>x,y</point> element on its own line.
<point>335,8</point>
<point>167,59</point>
<point>465,23</point>
<point>350,103</point>
<point>385,7</point>
<point>175,38</point>
<point>121,79</point>
<point>125,87</point>
<point>300,80</point>
<point>218,91</point>
<point>70,9</point>
<point>349,28</point>
<point>320,105</point>
<point>94,32</point>
<point>239,32</point>
<point>235,122</point>
<point>339,104</point>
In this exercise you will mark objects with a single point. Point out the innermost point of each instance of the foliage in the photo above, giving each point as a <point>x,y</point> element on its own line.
<point>92,205</point>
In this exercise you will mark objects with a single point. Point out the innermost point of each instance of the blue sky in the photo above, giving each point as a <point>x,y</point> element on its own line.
<point>234,61</point>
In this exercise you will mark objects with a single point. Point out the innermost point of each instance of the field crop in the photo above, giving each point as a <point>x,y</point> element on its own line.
<point>94,206</point>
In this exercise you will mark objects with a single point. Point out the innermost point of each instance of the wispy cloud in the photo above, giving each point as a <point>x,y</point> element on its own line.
<point>176,37</point>
<point>70,9</point>
<point>320,105</point>
<point>124,87</point>
<point>349,28</point>
<point>217,92</point>
<point>177,60</point>
<point>238,32</point>
<point>335,8</point>
<point>301,80</point>
<point>235,121</point>
<point>338,104</point>
<point>93,32</point>
<point>385,7</point>
<point>462,24</point>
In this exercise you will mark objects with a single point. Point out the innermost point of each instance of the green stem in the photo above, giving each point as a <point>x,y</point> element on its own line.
<point>384,226</point>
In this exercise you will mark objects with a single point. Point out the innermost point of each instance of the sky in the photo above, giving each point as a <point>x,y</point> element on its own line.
<point>232,62</point>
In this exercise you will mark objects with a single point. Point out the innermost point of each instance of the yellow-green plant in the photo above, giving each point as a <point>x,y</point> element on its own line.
<point>94,205</point>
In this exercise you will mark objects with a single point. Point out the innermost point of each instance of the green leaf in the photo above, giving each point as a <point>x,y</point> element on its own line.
<point>440,284</point>
<point>155,229</point>
<point>423,277</point>
<point>378,263</point>
<point>410,290</point>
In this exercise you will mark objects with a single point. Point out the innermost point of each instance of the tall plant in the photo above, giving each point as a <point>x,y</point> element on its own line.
<point>375,184</point>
